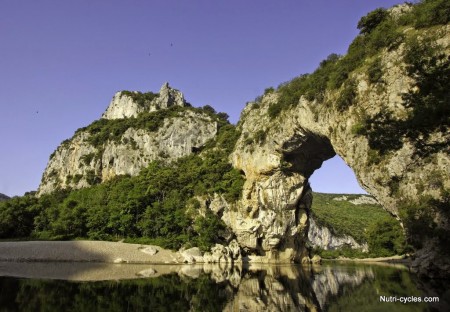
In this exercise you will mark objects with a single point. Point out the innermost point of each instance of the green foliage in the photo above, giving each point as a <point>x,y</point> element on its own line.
<point>103,130</point>
<point>375,71</point>
<point>17,215</point>
<point>341,252</point>
<point>209,109</point>
<point>92,178</point>
<point>150,207</point>
<point>379,30</point>
<point>365,223</point>
<point>420,220</point>
<point>87,158</point>
<point>385,238</point>
<point>428,13</point>
<point>269,90</point>
<point>209,229</point>
<point>346,96</point>
<point>260,137</point>
<point>275,109</point>
<point>428,103</point>
<point>369,22</point>
<point>142,99</point>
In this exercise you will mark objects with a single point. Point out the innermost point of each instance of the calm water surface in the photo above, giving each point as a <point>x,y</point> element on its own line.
<point>330,287</point>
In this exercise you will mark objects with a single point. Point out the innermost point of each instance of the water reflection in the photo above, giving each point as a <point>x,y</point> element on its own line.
<point>107,287</point>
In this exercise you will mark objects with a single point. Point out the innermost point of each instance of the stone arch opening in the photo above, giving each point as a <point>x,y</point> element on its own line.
<point>335,177</point>
<point>272,221</point>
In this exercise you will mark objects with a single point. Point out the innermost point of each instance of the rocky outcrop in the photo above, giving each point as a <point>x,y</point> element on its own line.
<point>279,154</point>
<point>321,237</point>
<point>79,162</point>
<point>126,104</point>
<point>3,197</point>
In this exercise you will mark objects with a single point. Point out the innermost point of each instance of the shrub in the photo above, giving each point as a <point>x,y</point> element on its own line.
<point>269,90</point>
<point>385,238</point>
<point>369,22</point>
<point>346,96</point>
<point>428,13</point>
<point>87,158</point>
<point>260,137</point>
<point>375,71</point>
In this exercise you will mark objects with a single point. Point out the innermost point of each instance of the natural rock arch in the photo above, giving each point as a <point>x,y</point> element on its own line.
<point>278,155</point>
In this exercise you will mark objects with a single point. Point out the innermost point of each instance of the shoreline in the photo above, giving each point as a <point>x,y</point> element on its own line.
<point>120,252</point>
<point>400,259</point>
<point>86,251</point>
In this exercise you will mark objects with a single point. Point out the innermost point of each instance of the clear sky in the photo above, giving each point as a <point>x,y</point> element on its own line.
<point>62,61</point>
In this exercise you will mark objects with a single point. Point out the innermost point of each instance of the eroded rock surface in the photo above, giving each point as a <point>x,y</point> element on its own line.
<point>78,162</point>
<point>278,155</point>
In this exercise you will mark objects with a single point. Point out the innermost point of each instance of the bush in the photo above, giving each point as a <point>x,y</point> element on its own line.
<point>260,137</point>
<point>369,22</point>
<point>375,71</point>
<point>428,13</point>
<point>346,96</point>
<point>385,238</point>
<point>419,220</point>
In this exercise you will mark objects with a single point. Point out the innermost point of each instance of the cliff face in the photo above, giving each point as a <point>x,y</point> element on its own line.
<point>323,238</point>
<point>278,155</point>
<point>89,158</point>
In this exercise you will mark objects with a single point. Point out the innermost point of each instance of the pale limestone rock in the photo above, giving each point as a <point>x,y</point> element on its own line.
<point>169,97</point>
<point>207,257</point>
<point>316,259</point>
<point>123,106</point>
<point>219,254</point>
<point>76,161</point>
<point>322,237</point>
<point>150,250</point>
<point>234,250</point>
<point>192,255</point>
<point>364,200</point>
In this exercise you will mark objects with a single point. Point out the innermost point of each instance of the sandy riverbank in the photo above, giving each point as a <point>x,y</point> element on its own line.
<point>86,251</point>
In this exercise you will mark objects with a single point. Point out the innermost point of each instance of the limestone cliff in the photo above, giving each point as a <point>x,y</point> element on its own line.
<point>279,152</point>
<point>322,237</point>
<point>133,131</point>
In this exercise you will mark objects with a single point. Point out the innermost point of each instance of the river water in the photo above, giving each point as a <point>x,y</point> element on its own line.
<point>125,287</point>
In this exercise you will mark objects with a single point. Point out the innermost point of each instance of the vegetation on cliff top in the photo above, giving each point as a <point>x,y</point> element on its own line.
<point>103,130</point>
<point>140,98</point>
<point>378,30</point>
<point>157,206</point>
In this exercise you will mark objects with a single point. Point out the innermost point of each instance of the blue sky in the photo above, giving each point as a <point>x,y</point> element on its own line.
<point>62,61</point>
